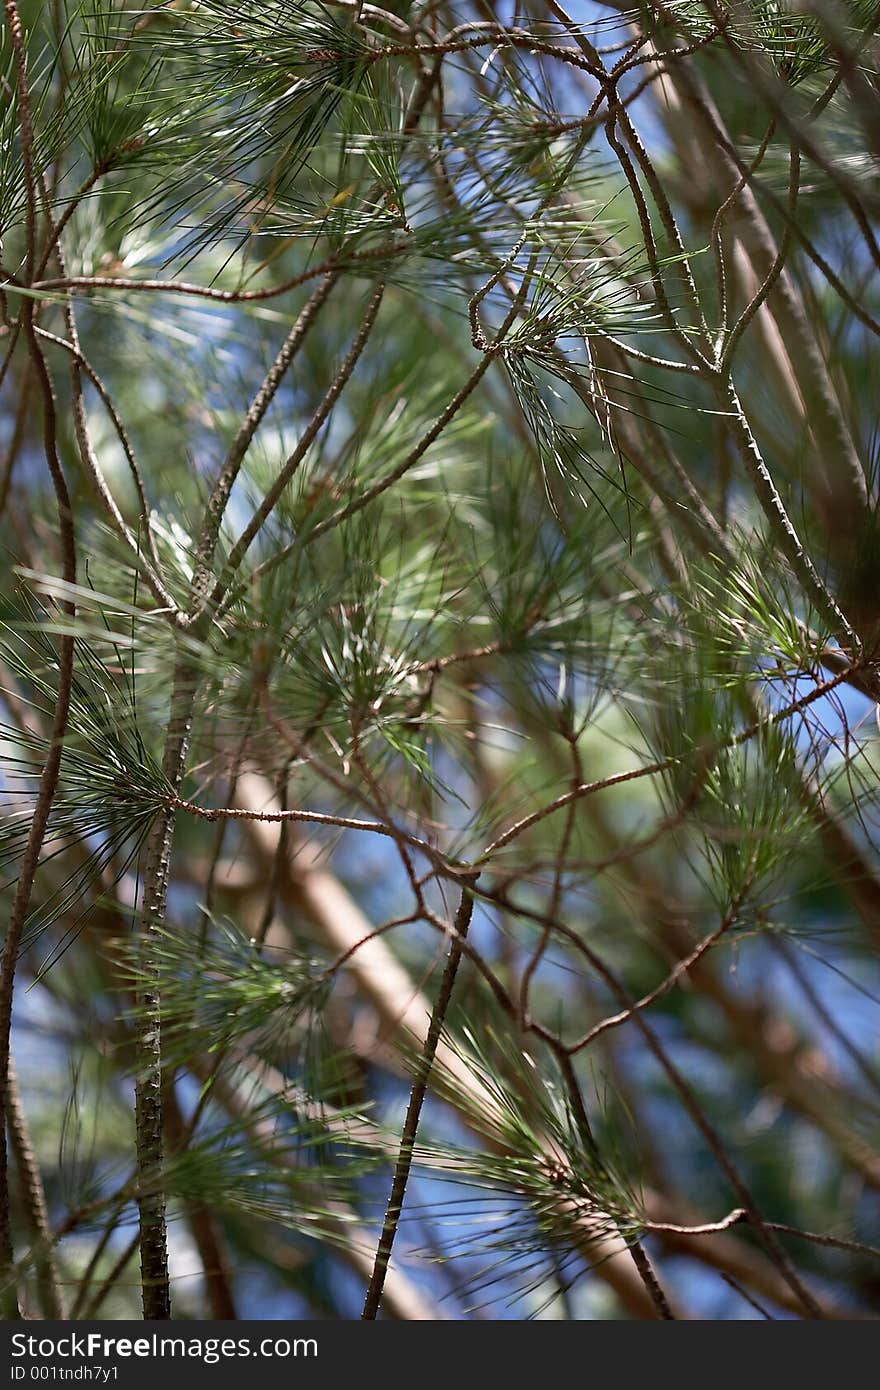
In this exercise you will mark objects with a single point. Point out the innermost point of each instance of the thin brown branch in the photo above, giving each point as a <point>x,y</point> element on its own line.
<point>414,1109</point>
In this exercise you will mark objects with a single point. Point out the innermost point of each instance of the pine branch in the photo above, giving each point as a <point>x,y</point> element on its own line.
<point>399,1183</point>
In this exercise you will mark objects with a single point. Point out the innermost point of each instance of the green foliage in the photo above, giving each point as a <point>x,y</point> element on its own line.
<point>548,1189</point>
<point>228,991</point>
<point>799,42</point>
<point>111,788</point>
<point>549,592</point>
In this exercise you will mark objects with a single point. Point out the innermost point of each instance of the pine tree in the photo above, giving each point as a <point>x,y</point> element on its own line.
<point>439,651</point>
